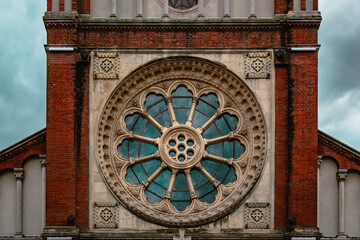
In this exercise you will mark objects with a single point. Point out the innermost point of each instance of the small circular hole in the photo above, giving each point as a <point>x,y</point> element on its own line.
<point>172,143</point>
<point>190,153</point>
<point>181,138</point>
<point>181,148</point>
<point>190,143</point>
<point>181,158</point>
<point>172,153</point>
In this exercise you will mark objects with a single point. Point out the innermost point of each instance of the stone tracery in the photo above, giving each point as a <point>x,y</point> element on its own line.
<point>181,151</point>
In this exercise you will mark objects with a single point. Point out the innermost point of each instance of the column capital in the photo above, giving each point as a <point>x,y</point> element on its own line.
<point>42,160</point>
<point>342,174</point>
<point>19,174</point>
<point>320,160</point>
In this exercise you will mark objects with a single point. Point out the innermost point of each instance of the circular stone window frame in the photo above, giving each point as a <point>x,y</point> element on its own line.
<point>187,11</point>
<point>158,76</point>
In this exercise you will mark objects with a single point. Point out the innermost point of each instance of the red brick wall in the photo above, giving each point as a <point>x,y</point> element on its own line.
<point>303,137</point>
<point>280,6</point>
<point>296,88</point>
<point>67,144</point>
<point>16,159</point>
<point>281,154</point>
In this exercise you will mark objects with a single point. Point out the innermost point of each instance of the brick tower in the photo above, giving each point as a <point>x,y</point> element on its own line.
<point>195,115</point>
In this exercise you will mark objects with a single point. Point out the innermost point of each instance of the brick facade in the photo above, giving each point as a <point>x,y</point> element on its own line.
<point>297,141</point>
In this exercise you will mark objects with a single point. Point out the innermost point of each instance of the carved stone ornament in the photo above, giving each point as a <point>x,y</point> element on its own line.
<point>106,65</point>
<point>257,215</point>
<point>106,215</point>
<point>182,148</point>
<point>258,65</point>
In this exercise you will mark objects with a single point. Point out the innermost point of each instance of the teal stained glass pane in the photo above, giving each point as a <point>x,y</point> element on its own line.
<point>221,172</point>
<point>182,4</point>
<point>157,189</point>
<point>204,190</point>
<point>222,126</point>
<point>226,149</point>
<point>233,149</point>
<point>180,197</point>
<point>212,132</point>
<point>156,106</point>
<point>135,149</point>
<point>181,101</point>
<point>205,109</point>
<point>140,126</point>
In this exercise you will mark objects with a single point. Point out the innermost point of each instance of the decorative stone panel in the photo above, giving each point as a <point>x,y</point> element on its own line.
<point>106,65</point>
<point>106,215</point>
<point>257,215</point>
<point>162,78</point>
<point>258,65</point>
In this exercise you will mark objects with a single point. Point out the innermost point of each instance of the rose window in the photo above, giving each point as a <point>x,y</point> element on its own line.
<point>176,148</point>
<point>182,4</point>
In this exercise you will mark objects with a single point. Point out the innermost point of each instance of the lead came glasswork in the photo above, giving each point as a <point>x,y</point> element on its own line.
<point>182,4</point>
<point>181,147</point>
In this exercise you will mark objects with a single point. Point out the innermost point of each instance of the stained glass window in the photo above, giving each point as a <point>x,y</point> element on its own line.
<point>182,4</point>
<point>184,150</point>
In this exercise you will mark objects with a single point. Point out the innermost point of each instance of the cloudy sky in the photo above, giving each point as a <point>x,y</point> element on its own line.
<point>23,86</point>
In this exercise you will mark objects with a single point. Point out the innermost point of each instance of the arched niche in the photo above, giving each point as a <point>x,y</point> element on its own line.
<point>328,198</point>
<point>32,201</point>
<point>7,203</point>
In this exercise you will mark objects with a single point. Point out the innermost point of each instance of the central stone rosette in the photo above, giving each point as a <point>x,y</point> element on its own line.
<point>181,147</point>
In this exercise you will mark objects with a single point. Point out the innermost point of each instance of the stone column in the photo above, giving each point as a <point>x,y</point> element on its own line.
<point>200,10</point>
<point>43,189</point>
<point>252,9</point>
<point>19,176</point>
<point>342,173</point>
<point>226,10</point>
<point>318,188</point>
<point>139,9</point>
<point>165,10</point>
<point>297,5</point>
<point>113,9</point>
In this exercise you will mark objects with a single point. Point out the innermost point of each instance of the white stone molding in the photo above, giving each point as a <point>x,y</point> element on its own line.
<point>106,65</point>
<point>200,10</point>
<point>341,176</point>
<point>113,8</point>
<point>252,9</point>
<point>163,77</point>
<point>226,10</point>
<point>43,189</point>
<point>139,9</point>
<point>106,215</point>
<point>297,5</point>
<point>257,215</point>
<point>258,65</point>
<point>19,176</point>
<point>165,10</point>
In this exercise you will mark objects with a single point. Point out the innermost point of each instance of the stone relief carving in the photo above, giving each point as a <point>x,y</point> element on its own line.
<point>258,65</point>
<point>257,215</point>
<point>106,215</point>
<point>162,78</point>
<point>106,65</point>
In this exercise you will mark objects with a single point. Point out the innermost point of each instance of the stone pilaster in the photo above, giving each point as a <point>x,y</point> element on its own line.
<point>19,176</point>
<point>341,176</point>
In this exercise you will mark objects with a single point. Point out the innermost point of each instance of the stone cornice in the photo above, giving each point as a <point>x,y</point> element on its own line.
<point>23,145</point>
<point>339,147</point>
